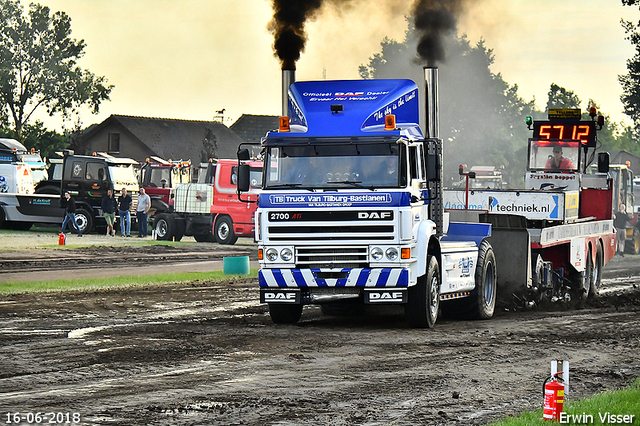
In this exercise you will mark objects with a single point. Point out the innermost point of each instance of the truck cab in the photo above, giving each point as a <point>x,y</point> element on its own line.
<point>158,177</point>
<point>13,151</point>
<point>350,211</point>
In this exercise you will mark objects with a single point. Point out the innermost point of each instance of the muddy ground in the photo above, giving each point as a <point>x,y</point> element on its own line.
<point>208,354</point>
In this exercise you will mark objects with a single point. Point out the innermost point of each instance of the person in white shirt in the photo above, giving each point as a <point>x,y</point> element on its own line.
<point>144,204</point>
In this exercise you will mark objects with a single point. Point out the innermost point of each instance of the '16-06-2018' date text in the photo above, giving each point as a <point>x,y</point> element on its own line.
<point>35,418</point>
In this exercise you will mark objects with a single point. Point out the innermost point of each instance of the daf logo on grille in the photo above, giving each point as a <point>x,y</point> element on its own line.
<point>375,215</point>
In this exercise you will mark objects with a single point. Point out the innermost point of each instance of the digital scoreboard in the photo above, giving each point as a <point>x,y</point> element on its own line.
<point>583,131</point>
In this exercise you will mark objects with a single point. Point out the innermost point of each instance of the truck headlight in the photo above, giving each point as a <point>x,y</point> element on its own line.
<point>376,253</point>
<point>286,254</point>
<point>272,255</point>
<point>391,253</point>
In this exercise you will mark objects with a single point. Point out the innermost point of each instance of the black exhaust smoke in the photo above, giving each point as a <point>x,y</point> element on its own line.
<point>434,19</point>
<point>287,26</point>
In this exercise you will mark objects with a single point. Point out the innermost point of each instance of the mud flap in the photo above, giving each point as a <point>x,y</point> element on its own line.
<point>277,295</point>
<point>381,296</point>
<point>512,248</point>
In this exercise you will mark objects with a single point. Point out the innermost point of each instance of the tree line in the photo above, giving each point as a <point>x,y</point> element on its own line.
<point>482,115</point>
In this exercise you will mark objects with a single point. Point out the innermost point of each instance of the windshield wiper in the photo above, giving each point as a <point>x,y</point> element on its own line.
<point>291,185</point>
<point>354,183</point>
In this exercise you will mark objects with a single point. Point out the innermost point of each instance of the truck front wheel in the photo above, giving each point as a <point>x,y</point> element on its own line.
<point>285,314</point>
<point>421,310</point>
<point>224,231</point>
<point>84,219</point>
<point>164,227</point>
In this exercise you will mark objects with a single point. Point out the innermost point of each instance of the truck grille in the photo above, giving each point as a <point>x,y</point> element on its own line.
<point>331,257</point>
<point>331,233</point>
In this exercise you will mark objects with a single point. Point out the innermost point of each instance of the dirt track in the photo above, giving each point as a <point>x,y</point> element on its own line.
<point>203,353</point>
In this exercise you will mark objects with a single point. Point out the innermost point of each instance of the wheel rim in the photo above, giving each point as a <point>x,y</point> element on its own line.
<point>489,284</point>
<point>587,274</point>
<point>433,298</point>
<point>223,231</point>
<point>82,221</point>
<point>161,228</point>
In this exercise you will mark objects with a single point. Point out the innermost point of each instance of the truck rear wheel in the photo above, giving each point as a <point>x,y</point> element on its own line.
<point>581,281</point>
<point>164,227</point>
<point>483,301</point>
<point>632,246</point>
<point>596,278</point>
<point>285,314</point>
<point>223,231</point>
<point>421,310</point>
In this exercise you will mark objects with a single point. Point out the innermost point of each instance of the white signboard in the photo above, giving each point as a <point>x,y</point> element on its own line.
<point>534,205</point>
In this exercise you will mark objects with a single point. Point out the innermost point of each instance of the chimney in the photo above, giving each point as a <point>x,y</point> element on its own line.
<point>288,78</point>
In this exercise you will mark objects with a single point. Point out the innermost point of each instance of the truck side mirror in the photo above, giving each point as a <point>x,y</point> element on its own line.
<point>433,168</point>
<point>243,154</point>
<point>603,162</point>
<point>243,177</point>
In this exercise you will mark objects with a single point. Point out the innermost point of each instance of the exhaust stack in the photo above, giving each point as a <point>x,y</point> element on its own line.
<point>288,78</point>
<point>432,103</point>
<point>433,146</point>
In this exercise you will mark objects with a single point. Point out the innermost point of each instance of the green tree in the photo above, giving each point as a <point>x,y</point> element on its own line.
<point>559,97</point>
<point>631,82</point>
<point>36,136</point>
<point>482,118</point>
<point>38,66</point>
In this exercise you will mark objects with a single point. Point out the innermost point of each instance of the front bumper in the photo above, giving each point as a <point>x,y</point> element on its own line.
<point>362,277</point>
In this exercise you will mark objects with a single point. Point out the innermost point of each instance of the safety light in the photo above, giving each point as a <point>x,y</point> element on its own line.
<point>284,124</point>
<point>529,121</point>
<point>389,122</point>
<point>405,253</point>
<point>593,111</point>
<point>260,254</point>
<point>33,150</point>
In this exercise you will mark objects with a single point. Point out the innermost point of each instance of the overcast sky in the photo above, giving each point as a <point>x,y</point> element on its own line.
<point>190,58</point>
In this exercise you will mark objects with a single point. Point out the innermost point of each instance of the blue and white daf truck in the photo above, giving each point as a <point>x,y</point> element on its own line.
<point>351,208</point>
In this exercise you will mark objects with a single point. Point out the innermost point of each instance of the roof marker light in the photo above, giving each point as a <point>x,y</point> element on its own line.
<point>284,124</point>
<point>390,122</point>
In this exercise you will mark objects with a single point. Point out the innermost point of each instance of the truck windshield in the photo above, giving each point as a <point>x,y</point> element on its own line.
<point>372,165</point>
<point>158,175</point>
<point>122,175</point>
<point>554,156</point>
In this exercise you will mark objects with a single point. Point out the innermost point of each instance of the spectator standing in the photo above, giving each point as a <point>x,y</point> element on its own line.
<point>70,216</point>
<point>144,204</point>
<point>620,223</point>
<point>109,207</point>
<point>124,205</point>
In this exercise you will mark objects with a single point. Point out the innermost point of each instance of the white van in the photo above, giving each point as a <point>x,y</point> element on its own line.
<point>16,178</point>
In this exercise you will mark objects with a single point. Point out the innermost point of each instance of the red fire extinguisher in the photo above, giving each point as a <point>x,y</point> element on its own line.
<point>62,239</point>
<point>553,397</point>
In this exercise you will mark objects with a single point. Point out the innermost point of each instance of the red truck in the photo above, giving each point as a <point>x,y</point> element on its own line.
<point>158,177</point>
<point>210,210</point>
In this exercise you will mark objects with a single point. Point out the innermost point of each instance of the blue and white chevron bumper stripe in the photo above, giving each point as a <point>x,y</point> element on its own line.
<point>384,277</point>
